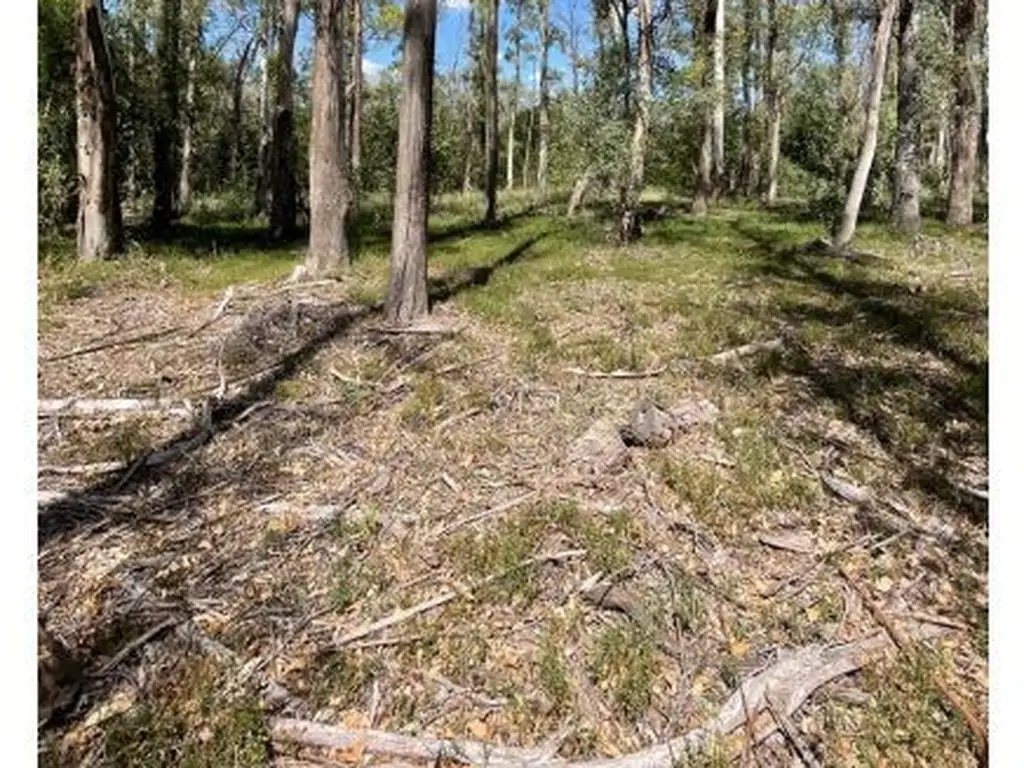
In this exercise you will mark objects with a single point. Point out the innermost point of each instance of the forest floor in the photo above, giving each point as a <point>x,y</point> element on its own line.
<point>296,474</point>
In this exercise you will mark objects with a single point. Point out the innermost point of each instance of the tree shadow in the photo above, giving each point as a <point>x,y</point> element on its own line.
<point>917,377</point>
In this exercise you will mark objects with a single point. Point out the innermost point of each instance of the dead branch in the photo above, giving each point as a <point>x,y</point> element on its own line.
<point>792,734</point>
<point>131,340</point>
<point>217,313</point>
<point>903,641</point>
<point>141,640</point>
<point>71,406</point>
<point>428,328</point>
<point>618,374</point>
<point>470,519</point>
<point>312,734</point>
<point>746,350</point>
<point>446,597</point>
<point>456,417</point>
<point>99,468</point>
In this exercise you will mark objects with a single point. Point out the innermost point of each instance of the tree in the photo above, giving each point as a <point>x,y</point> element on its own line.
<point>263,160</point>
<point>355,108</point>
<point>751,165</point>
<point>516,37</point>
<point>703,39</point>
<point>964,138</point>
<point>99,226</point>
<point>491,106</point>
<point>165,135</point>
<point>283,203</point>
<point>869,138</point>
<point>718,112</point>
<point>629,224</point>
<point>545,100</point>
<point>328,158</point>
<point>773,99</point>
<point>407,289</point>
<point>193,46</point>
<point>906,209</point>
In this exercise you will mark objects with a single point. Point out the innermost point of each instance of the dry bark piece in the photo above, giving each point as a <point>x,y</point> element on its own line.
<point>649,425</point>
<point>845,490</point>
<point>791,541</point>
<point>600,449</point>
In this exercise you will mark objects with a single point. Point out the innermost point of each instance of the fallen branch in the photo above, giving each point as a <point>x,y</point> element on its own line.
<point>218,312</point>
<point>470,519</point>
<point>789,730</point>
<point>423,329</point>
<point>141,640</point>
<point>902,641</point>
<point>456,417</point>
<point>138,339</point>
<point>445,597</point>
<point>71,406</point>
<point>618,374</point>
<point>732,355</point>
<point>375,742</point>
<point>99,468</point>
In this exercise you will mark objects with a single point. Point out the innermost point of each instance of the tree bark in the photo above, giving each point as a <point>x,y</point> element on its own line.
<point>165,136</point>
<point>773,100</point>
<point>99,226</point>
<point>848,221</point>
<point>263,171</point>
<point>514,106</point>
<point>283,203</point>
<point>355,113</point>
<point>629,223</point>
<point>718,134</point>
<point>544,117</point>
<point>703,38</point>
<point>964,136</point>
<point>235,150</point>
<point>491,121</point>
<point>407,290</point>
<point>528,148</point>
<point>185,181</point>
<point>470,110</point>
<point>328,177</point>
<point>907,184</point>
<point>579,190</point>
<point>751,164</point>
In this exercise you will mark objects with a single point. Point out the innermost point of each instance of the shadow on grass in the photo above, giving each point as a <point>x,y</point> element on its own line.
<point>883,393</point>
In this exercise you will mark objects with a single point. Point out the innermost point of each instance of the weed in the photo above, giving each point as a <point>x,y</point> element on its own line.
<point>552,672</point>
<point>624,663</point>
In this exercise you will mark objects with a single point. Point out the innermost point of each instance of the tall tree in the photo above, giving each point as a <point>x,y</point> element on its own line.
<point>906,209</point>
<point>869,139</point>
<point>491,103</point>
<point>165,135</point>
<point>268,38</point>
<point>193,46</point>
<point>328,159</point>
<point>283,202</point>
<point>751,167</point>
<point>703,40</point>
<point>964,138</point>
<point>235,129</point>
<point>407,289</point>
<point>516,35</point>
<point>773,101</point>
<point>355,110</point>
<point>718,114</point>
<point>629,223</point>
<point>545,101</point>
<point>470,106</point>
<point>99,227</point>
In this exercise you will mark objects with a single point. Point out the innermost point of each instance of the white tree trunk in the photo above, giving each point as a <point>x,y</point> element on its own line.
<point>629,224</point>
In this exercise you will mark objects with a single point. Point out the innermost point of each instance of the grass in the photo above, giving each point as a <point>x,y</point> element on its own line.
<point>882,382</point>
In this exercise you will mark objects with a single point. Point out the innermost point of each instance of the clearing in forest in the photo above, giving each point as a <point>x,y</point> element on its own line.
<point>292,515</point>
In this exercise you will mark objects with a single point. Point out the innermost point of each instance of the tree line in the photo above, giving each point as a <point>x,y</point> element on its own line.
<point>840,102</point>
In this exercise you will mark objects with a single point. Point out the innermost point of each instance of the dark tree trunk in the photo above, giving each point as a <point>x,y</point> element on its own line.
<point>328,159</point>
<point>355,113</point>
<point>185,180</point>
<point>491,122</point>
<point>407,289</point>
<point>283,192</point>
<point>906,209</point>
<point>703,38</point>
<point>99,227</point>
<point>964,136</point>
<point>165,137</point>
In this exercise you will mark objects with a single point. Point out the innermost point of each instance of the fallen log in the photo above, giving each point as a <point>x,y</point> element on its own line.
<point>87,407</point>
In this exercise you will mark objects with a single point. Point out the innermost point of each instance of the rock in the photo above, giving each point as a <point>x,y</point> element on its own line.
<point>690,413</point>
<point>649,425</point>
<point>600,449</point>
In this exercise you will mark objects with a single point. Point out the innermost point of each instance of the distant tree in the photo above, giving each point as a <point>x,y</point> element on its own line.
<point>960,204</point>
<point>99,228</point>
<point>906,208</point>
<point>166,135</point>
<point>629,225</point>
<point>491,107</point>
<point>407,288</point>
<point>283,193</point>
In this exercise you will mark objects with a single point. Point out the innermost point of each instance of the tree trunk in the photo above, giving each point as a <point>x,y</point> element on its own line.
<point>629,223</point>
<point>355,114</point>
<point>263,171</point>
<point>545,118</point>
<point>848,221</point>
<point>906,209</point>
<point>527,149</point>
<point>491,122</point>
<point>99,227</point>
<point>579,190</point>
<point>703,38</point>
<point>773,99</point>
<point>185,181</point>
<point>964,136</point>
<point>750,168</point>
<point>328,182</point>
<point>840,18</point>
<point>718,134</point>
<point>470,111</point>
<point>513,108</point>
<point>165,136</point>
<point>407,290</point>
<point>235,150</point>
<point>283,203</point>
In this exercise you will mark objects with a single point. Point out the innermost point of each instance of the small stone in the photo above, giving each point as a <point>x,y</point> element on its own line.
<point>600,449</point>
<point>649,425</point>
